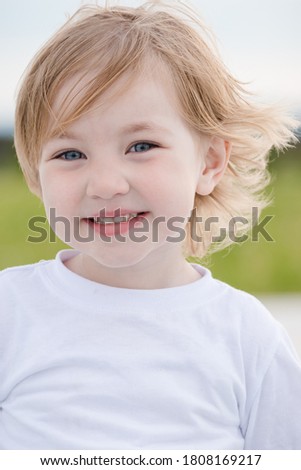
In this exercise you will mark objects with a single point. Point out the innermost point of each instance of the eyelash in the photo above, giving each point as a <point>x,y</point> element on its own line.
<point>61,155</point>
<point>152,145</point>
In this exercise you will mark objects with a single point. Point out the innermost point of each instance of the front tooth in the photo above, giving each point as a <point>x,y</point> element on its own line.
<point>132,216</point>
<point>111,220</point>
<point>124,218</point>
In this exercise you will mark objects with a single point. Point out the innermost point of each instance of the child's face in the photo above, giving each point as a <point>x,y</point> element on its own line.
<point>100,168</point>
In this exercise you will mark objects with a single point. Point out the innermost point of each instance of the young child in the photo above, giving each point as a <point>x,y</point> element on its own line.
<point>133,134</point>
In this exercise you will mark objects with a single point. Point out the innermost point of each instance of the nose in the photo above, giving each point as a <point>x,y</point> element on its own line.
<point>106,182</point>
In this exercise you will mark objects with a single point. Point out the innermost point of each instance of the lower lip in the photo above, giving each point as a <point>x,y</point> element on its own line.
<point>113,229</point>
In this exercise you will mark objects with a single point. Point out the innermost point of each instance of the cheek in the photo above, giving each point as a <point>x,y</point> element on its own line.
<point>177,185</point>
<point>57,193</point>
<point>171,197</point>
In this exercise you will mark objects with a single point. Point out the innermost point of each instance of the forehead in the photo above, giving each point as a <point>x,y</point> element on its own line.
<point>80,95</point>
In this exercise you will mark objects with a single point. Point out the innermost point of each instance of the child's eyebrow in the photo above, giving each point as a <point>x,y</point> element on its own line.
<point>143,126</point>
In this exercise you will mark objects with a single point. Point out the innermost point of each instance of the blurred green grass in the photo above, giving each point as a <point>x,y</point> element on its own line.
<point>257,267</point>
<point>270,266</point>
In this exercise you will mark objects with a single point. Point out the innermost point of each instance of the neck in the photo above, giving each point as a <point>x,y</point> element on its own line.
<point>143,275</point>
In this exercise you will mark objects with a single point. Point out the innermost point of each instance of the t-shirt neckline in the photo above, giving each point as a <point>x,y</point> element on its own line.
<point>82,290</point>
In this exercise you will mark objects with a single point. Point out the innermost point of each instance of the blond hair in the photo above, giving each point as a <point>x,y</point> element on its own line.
<point>102,43</point>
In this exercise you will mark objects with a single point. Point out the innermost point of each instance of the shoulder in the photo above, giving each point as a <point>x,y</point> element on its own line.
<point>243,318</point>
<point>240,304</point>
<point>253,334</point>
<point>23,294</point>
<point>16,272</point>
<point>235,302</point>
<point>229,307</point>
<point>20,278</point>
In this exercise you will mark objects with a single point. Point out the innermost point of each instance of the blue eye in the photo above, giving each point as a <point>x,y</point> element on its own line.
<point>71,155</point>
<point>143,146</point>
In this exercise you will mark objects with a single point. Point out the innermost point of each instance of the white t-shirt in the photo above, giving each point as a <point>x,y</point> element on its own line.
<point>89,366</point>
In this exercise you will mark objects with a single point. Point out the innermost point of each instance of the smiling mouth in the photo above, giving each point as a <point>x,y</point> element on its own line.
<point>115,220</point>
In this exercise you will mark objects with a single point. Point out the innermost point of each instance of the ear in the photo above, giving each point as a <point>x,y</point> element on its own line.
<point>215,163</point>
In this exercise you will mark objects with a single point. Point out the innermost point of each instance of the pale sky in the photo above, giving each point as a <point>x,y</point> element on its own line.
<point>259,40</point>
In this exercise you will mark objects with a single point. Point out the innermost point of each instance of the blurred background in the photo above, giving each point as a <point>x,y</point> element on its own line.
<point>259,41</point>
